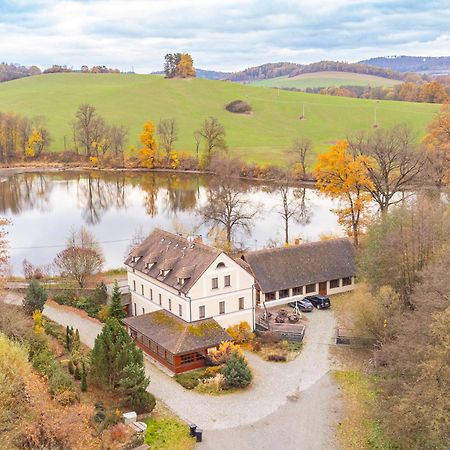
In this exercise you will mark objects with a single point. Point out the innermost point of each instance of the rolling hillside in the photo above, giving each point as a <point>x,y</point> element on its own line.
<point>130,100</point>
<point>326,79</point>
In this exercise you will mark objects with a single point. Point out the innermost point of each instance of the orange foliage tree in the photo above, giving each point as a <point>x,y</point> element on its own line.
<point>437,143</point>
<point>148,155</point>
<point>343,176</point>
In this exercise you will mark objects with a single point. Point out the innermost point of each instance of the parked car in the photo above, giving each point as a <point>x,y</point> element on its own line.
<point>319,301</point>
<point>303,305</point>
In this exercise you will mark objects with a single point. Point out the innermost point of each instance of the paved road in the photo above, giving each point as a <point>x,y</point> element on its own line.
<point>279,407</point>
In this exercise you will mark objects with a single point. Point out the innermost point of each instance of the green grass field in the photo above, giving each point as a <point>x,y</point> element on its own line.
<point>130,100</point>
<point>326,79</point>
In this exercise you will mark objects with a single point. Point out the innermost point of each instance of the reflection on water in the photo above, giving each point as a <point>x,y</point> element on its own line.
<point>44,207</point>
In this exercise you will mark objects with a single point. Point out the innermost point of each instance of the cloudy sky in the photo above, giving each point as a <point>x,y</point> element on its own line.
<point>220,34</point>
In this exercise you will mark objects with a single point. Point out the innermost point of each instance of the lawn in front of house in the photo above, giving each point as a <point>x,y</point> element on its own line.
<point>165,431</point>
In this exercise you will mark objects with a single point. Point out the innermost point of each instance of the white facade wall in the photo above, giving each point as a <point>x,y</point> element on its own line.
<point>201,293</point>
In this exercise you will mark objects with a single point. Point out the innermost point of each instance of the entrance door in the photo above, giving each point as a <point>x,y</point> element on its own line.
<point>323,288</point>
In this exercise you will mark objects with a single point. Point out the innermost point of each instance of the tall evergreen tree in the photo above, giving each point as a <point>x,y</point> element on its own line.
<point>113,351</point>
<point>35,298</point>
<point>116,308</point>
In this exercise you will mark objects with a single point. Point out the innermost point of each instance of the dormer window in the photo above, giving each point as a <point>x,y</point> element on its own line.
<point>148,266</point>
<point>221,265</point>
<point>163,273</point>
<point>135,259</point>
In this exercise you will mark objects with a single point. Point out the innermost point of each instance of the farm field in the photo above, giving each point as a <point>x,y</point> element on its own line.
<point>130,100</point>
<point>326,79</point>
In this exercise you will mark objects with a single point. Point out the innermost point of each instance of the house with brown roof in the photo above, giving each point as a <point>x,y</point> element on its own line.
<point>179,286</point>
<point>285,274</point>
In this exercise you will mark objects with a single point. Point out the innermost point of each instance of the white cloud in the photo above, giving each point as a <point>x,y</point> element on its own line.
<point>220,34</point>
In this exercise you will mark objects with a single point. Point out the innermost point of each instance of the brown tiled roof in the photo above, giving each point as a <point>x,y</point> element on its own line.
<point>299,265</point>
<point>168,251</point>
<point>176,335</point>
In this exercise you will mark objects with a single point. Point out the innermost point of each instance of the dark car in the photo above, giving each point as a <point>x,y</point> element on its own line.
<point>319,301</point>
<point>303,305</point>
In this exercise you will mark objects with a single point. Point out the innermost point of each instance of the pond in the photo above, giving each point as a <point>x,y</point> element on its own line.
<point>117,206</point>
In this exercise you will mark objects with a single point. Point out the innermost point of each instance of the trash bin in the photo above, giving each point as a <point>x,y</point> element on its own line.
<point>192,428</point>
<point>199,434</point>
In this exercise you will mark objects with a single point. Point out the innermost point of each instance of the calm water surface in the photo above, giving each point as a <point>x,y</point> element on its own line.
<point>44,207</point>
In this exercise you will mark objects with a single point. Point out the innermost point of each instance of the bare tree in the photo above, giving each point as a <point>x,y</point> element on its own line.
<point>4,256</point>
<point>394,162</point>
<point>168,134</point>
<point>300,153</point>
<point>213,132</point>
<point>89,128</point>
<point>82,258</point>
<point>118,137</point>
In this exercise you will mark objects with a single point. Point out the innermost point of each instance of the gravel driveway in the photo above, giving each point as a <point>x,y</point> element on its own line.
<point>280,393</point>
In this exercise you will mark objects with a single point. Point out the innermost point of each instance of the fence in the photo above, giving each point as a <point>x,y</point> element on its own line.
<point>346,336</point>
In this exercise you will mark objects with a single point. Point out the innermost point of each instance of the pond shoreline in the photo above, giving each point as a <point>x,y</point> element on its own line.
<point>13,170</point>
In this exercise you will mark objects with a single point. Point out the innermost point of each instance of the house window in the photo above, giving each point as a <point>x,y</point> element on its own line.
<point>170,304</point>
<point>186,359</point>
<point>334,284</point>
<point>221,307</point>
<point>160,299</point>
<point>227,280</point>
<point>270,296</point>
<point>142,289</point>
<point>310,288</point>
<point>346,281</point>
<point>297,290</point>
<point>241,303</point>
<point>135,309</point>
<point>283,293</point>
<point>180,310</point>
<point>214,283</point>
<point>151,294</point>
<point>201,312</point>
<point>220,265</point>
<point>143,310</point>
<point>134,285</point>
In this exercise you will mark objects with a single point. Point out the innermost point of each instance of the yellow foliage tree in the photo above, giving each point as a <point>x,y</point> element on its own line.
<point>38,321</point>
<point>343,176</point>
<point>148,155</point>
<point>32,147</point>
<point>185,67</point>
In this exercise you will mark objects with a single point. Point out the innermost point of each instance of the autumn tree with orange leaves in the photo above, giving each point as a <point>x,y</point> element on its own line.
<point>148,155</point>
<point>437,143</point>
<point>344,177</point>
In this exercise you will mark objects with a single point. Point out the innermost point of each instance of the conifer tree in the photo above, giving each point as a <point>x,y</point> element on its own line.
<point>83,379</point>
<point>115,308</point>
<point>35,298</point>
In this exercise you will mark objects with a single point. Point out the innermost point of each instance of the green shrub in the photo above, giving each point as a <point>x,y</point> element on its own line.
<point>236,371</point>
<point>189,380</point>
<point>35,298</point>
<point>53,329</point>
<point>44,362</point>
<point>143,402</point>
<point>60,382</point>
<point>66,297</point>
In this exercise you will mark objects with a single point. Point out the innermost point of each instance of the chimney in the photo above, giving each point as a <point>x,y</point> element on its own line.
<point>198,239</point>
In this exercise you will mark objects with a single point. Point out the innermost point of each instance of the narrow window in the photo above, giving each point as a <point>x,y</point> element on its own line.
<point>170,304</point>
<point>334,284</point>
<point>227,280</point>
<point>142,289</point>
<point>241,303</point>
<point>180,310</point>
<point>215,283</point>
<point>201,312</point>
<point>221,307</point>
<point>160,299</point>
<point>151,294</point>
<point>135,309</point>
<point>270,296</point>
<point>143,310</point>
<point>134,285</point>
<point>346,281</point>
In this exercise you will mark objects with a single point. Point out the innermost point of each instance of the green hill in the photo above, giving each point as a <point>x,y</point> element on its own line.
<point>130,100</point>
<point>326,79</point>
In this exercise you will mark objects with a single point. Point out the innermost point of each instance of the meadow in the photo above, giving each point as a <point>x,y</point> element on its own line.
<point>131,100</point>
<point>326,79</point>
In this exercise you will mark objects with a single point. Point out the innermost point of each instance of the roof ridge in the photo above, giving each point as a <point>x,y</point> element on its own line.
<point>183,238</point>
<point>292,247</point>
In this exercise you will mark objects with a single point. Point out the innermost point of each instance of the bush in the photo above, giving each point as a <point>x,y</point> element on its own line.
<point>35,298</point>
<point>241,333</point>
<point>144,402</point>
<point>221,355</point>
<point>61,387</point>
<point>214,384</point>
<point>189,380</point>
<point>237,372</point>
<point>212,371</point>
<point>66,297</point>
<point>238,107</point>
